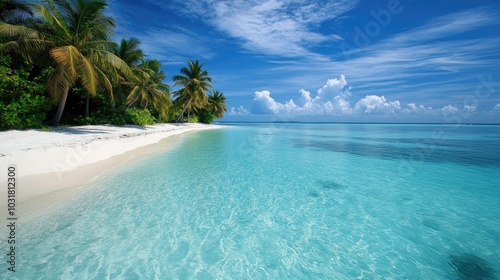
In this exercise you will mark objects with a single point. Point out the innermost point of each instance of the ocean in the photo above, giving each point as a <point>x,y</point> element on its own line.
<point>285,201</point>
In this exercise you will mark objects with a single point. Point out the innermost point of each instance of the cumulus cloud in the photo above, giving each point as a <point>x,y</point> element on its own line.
<point>331,99</point>
<point>450,110</point>
<point>469,109</point>
<point>240,111</point>
<point>265,104</point>
<point>415,109</point>
<point>378,105</point>
<point>495,110</point>
<point>465,111</point>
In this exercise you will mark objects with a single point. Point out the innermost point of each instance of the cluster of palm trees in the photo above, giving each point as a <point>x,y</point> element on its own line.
<point>73,37</point>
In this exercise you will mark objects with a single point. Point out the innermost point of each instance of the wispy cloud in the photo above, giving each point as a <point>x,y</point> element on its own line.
<point>180,44</point>
<point>449,25</point>
<point>432,52</point>
<point>168,43</point>
<point>274,27</point>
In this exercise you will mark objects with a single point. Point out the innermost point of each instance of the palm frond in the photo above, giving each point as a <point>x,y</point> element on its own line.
<point>11,30</point>
<point>57,81</point>
<point>54,20</point>
<point>68,57</point>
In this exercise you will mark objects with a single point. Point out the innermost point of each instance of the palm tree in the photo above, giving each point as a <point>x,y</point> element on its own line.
<point>129,51</point>
<point>12,10</point>
<point>76,35</point>
<point>195,83</point>
<point>148,88</point>
<point>217,103</point>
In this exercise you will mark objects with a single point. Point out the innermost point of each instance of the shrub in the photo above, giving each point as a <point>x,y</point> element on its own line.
<point>206,116</point>
<point>23,103</point>
<point>139,117</point>
<point>118,119</point>
<point>28,112</point>
<point>193,119</point>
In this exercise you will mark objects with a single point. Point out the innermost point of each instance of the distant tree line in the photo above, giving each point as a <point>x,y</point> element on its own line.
<point>59,66</point>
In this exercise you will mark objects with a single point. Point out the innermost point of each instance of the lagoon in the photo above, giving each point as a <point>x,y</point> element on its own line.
<point>285,201</point>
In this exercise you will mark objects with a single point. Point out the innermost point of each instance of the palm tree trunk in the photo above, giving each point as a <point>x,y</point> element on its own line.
<point>128,106</point>
<point>87,106</point>
<point>60,109</point>
<point>147,103</point>
<point>183,110</point>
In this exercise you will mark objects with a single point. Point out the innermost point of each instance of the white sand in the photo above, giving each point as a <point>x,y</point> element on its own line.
<point>69,157</point>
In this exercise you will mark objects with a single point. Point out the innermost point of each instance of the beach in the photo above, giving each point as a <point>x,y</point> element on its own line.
<point>64,158</point>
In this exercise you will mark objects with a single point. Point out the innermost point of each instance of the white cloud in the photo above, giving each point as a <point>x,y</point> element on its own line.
<point>453,113</point>
<point>413,108</point>
<point>497,107</point>
<point>265,104</point>
<point>449,25</point>
<point>170,44</point>
<point>333,99</point>
<point>276,27</point>
<point>430,58</point>
<point>450,110</point>
<point>469,109</point>
<point>377,105</point>
<point>332,88</point>
<point>240,111</point>
<point>180,44</point>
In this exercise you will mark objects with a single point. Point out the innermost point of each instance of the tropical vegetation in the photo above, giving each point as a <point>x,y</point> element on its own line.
<point>58,65</point>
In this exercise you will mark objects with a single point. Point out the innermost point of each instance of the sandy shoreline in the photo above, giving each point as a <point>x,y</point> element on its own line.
<point>69,157</point>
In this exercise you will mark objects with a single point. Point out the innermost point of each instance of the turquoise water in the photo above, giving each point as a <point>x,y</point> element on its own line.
<point>286,201</point>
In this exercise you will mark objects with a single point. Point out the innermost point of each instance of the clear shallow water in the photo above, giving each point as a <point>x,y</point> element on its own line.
<point>286,201</point>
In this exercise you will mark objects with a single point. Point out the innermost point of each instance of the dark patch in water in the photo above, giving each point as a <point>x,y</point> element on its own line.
<point>406,198</point>
<point>431,224</point>
<point>481,153</point>
<point>469,266</point>
<point>313,193</point>
<point>331,185</point>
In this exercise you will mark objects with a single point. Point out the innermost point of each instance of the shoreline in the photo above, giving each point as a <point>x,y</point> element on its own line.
<point>53,165</point>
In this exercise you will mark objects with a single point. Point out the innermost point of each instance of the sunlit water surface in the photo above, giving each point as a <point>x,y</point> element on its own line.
<point>285,201</point>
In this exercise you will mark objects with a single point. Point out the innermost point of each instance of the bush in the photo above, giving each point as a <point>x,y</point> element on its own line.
<point>140,117</point>
<point>96,119</point>
<point>28,112</point>
<point>119,119</point>
<point>23,103</point>
<point>206,116</point>
<point>193,119</point>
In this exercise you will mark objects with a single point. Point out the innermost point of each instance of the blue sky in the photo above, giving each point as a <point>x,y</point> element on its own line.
<point>336,60</point>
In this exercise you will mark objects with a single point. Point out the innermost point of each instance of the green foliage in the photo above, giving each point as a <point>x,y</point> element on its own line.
<point>76,34</point>
<point>27,112</point>
<point>119,119</point>
<point>140,117</point>
<point>206,116</point>
<point>148,89</point>
<point>195,83</point>
<point>22,102</point>
<point>102,109</point>
<point>193,119</point>
<point>217,103</point>
<point>114,119</point>
<point>104,83</point>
